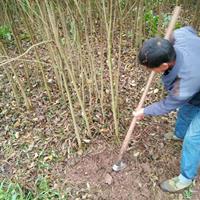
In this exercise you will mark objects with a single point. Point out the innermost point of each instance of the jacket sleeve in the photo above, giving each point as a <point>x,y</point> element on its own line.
<point>181,93</point>
<point>164,106</point>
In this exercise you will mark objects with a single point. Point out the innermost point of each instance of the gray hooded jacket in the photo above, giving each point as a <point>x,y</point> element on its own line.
<point>182,82</point>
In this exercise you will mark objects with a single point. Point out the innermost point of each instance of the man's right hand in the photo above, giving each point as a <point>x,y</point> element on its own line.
<point>139,114</point>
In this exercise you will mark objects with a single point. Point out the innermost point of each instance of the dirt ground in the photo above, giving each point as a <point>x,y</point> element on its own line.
<point>91,176</point>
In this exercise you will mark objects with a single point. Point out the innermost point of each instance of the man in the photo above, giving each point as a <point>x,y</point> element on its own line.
<point>179,61</point>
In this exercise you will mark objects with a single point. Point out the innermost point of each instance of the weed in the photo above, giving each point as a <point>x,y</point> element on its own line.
<point>45,191</point>
<point>151,22</point>
<point>5,33</point>
<point>188,193</point>
<point>13,191</point>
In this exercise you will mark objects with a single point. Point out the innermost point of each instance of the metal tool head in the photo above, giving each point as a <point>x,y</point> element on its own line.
<point>118,166</point>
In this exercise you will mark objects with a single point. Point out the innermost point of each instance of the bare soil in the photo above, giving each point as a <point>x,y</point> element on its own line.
<point>146,168</point>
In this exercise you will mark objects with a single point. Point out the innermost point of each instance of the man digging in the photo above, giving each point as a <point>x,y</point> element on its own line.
<point>179,61</point>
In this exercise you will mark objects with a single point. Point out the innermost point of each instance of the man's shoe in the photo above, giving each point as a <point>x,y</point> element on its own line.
<point>174,185</point>
<point>171,136</point>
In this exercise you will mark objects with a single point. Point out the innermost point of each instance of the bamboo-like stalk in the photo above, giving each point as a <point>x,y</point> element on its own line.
<point>196,16</point>
<point>72,112</point>
<point>90,16</point>
<point>102,76</point>
<point>115,27</point>
<point>17,40</point>
<point>109,50</point>
<point>77,133</point>
<point>159,19</point>
<point>67,46</point>
<point>52,51</point>
<point>60,69</point>
<point>2,13</point>
<point>62,53</point>
<point>89,48</point>
<point>118,65</point>
<point>90,45</point>
<point>85,76</point>
<point>33,40</point>
<point>13,85</point>
<point>138,26</point>
<point>102,29</point>
<point>23,54</point>
<point>56,63</point>
<point>82,76</point>
<point>26,99</point>
<point>125,14</point>
<point>12,82</point>
<point>29,10</point>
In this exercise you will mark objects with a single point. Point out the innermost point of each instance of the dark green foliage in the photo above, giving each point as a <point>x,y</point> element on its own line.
<point>151,22</point>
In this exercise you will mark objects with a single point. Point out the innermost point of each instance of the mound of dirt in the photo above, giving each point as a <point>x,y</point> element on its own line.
<point>96,169</point>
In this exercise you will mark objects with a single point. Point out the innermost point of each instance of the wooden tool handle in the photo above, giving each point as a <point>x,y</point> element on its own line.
<point>140,105</point>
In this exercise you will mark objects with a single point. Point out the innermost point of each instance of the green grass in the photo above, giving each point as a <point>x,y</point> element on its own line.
<point>13,191</point>
<point>5,32</point>
<point>188,193</point>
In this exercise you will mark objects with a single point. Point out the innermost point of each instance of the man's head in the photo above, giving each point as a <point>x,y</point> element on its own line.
<point>157,54</point>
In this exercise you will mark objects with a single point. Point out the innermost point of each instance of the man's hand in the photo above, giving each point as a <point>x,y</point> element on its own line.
<point>139,114</point>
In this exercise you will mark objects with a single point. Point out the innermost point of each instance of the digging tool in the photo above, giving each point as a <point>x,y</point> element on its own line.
<point>120,165</point>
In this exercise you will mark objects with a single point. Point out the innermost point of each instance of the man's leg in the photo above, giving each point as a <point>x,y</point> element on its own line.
<point>191,149</point>
<point>190,161</point>
<point>184,117</point>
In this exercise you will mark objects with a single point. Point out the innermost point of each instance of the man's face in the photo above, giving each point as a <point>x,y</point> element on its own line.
<point>162,68</point>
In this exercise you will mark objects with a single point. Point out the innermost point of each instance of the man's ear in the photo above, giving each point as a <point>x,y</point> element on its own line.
<point>165,66</point>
